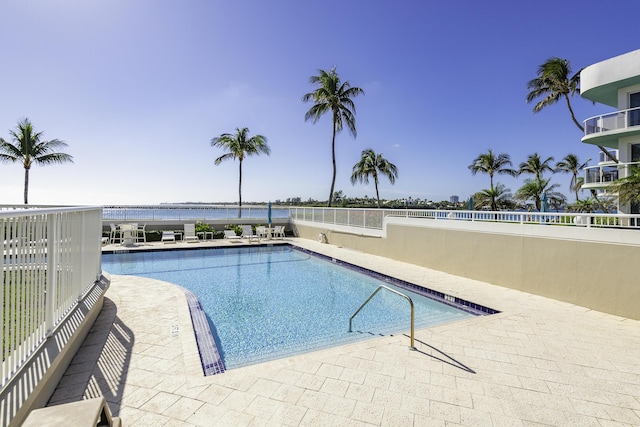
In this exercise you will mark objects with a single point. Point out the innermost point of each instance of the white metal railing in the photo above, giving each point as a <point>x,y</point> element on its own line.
<point>51,257</point>
<point>189,212</point>
<point>617,120</point>
<point>605,174</point>
<point>373,218</point>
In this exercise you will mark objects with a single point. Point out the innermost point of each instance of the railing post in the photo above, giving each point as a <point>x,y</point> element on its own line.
<point>51,282</point>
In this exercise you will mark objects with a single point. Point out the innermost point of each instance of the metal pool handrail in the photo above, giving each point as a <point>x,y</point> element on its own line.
<point>411,347</point>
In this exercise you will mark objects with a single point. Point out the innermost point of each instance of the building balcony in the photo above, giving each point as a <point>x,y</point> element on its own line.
<point>606,129</point>
<point>602,175</point>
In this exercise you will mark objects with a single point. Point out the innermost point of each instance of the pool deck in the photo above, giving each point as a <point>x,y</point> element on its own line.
<point>539,362</point>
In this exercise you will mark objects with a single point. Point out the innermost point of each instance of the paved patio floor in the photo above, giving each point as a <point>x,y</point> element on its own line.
<point>539,362</point>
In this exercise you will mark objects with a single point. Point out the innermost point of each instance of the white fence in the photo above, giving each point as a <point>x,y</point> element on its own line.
<point>373,218</point>
<point>51,257</point>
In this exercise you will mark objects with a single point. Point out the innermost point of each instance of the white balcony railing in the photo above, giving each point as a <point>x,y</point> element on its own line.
<point>51,257</point>
<point>603,175</point>
<point>373,218</point>
<point>617,120</point>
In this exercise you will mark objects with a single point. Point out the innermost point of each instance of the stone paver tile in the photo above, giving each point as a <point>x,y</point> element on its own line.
<point>262,407</point>
<point>159,403</point>
<point>184,408</point>
<point>416,405</point>
<point>288,414</point>
<point>264,387</point>
<point>206,415</point>
<point>334,387</point>
<point>138,397</point>
<point>213,394</point>
<point>377,380</point>
<point>505,421</point>
<point>445,411</point>
<point>353,375</point>
<point>316,418</point>
<point>288,393</point>
<point>426,421</point>
<point>471,417</point>
<point>238,400</point>
<point>337,405</point>
<point>396,418</point>
<point>386,399</point>
<point>150,419</point>
<point>488,404</point>
<point>232,418</point>
<point>359,392</point>
<point>368,412</point>
<point>313,400</point>
<point>287,376</point>
<point>310,382</point>
<point>403,385</point>
<point>330,371</point>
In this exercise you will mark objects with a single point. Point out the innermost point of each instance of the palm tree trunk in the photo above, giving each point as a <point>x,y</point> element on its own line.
<point>375,180</point>
<point>240,191</point>
<point>26,184</point>
<point>573,117</point>
<point>333,158</point>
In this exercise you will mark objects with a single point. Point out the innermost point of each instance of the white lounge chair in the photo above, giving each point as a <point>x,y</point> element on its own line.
<point>190,233</point>
<point>168,237</point>
<point>261,232</point>
<point>247,233</point>
<point>231,235</point>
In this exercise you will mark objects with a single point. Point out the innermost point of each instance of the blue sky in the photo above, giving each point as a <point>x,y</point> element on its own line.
<point>138,89</point>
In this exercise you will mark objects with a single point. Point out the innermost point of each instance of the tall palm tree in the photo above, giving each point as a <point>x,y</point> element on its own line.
<point>29,149</point>
<point>373,164</point>
<point>239,146</point>
<point>536,166</point>
<point>336,96</point>
<point>492,164</point>
<point>553,83</point>
<point>572,164</point>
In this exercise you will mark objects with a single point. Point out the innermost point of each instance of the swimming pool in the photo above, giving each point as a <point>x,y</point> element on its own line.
<point>268,302</point>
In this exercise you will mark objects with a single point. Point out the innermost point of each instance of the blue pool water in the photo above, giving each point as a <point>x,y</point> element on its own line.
<point>264,303</point>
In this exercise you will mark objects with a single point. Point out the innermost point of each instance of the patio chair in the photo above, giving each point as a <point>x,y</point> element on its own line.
<point>141,235</point>
<point>247,233</point>
<point>190,233</point>
<point>114,234</point>
<point>261,232</point>
<point>168,237</point>
<point>231,235</point>
<point>278,231</point>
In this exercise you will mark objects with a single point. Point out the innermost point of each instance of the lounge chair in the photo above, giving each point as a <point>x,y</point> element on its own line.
<point>168,237</point>
<point>114,235</point>
<point>231,235</point>
<point>247,233</point>
<point>190,233</point>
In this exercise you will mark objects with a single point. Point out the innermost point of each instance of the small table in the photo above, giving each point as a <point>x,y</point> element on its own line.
<point>204,234</point>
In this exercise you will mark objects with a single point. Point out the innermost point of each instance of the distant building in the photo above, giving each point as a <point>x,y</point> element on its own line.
<point>454,199</point>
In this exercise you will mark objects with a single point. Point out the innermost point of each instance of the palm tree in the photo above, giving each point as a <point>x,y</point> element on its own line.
<point>533,189</point>
<point>332,95</point>
<point>29,149</point>
<point>239,146</point>
<point>628,188</point>
<point>490,163</point>
<point>373,164</point>
<point>497,198</point>
<point>536,166</point>
<point>555,82</point>
<point>572,164</point>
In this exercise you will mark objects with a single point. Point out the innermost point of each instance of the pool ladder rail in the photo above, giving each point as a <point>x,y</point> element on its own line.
<point>411,346</point>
